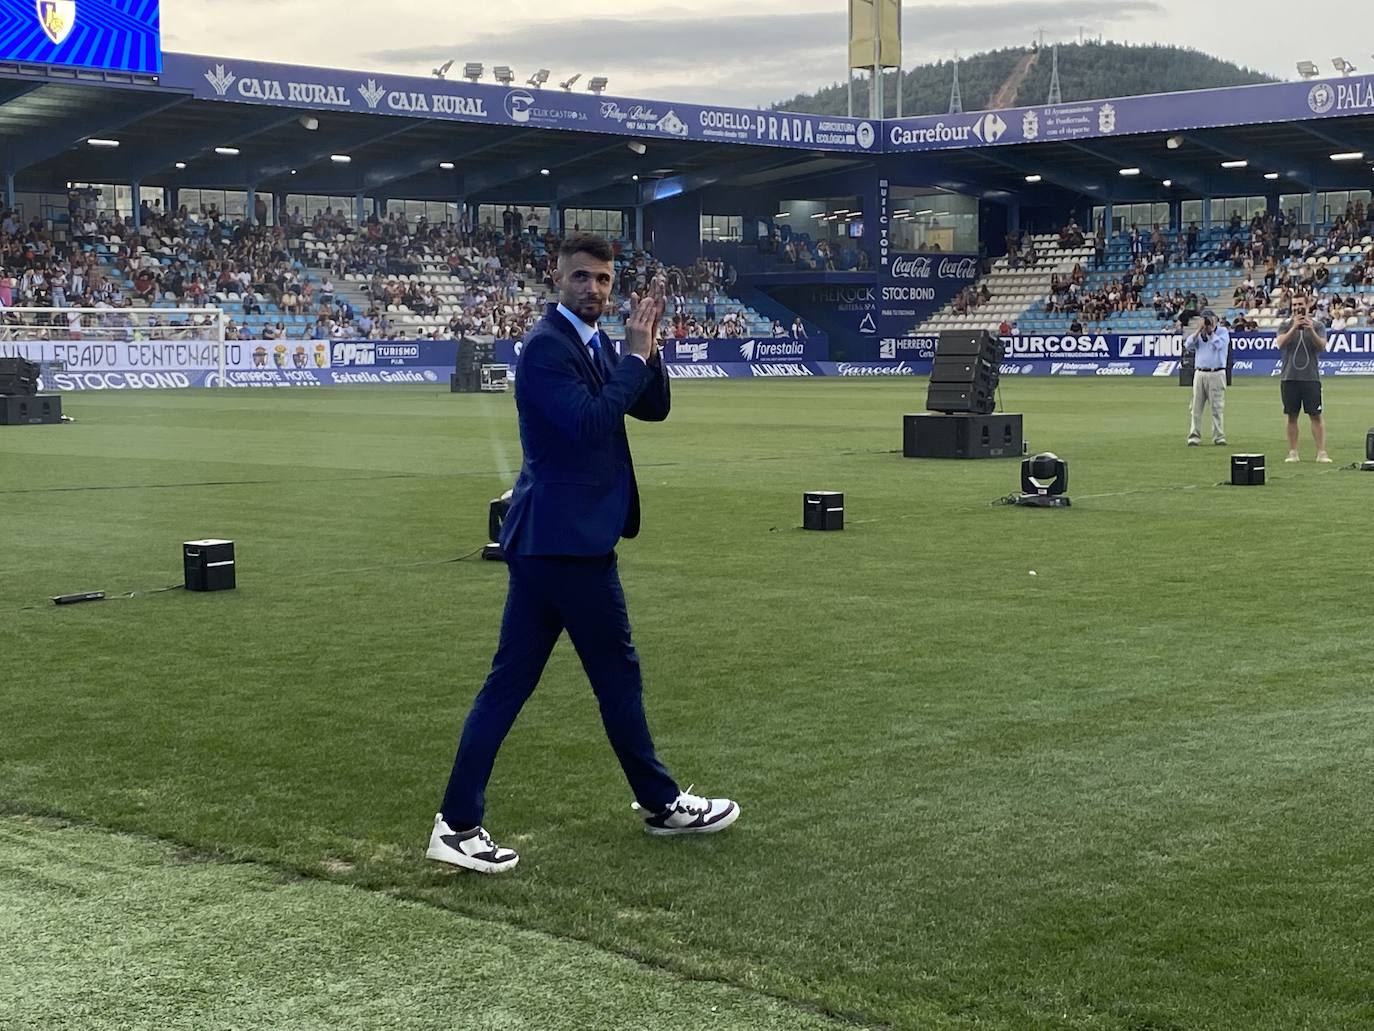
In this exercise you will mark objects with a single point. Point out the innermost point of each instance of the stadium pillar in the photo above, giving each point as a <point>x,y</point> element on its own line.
<point>556,219</point>
<point>360,208</point>
<point>1014,218</point>
<point>250,205</point>
<point>1206,213</point>
<point>639,227</point>
<point>1316,214</point>
<point>1175,214</point>
<point>1107,218</point>
<point>9,190</point>
<point>136,191</point>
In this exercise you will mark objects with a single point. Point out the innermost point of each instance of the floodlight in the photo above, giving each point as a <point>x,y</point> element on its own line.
<point>1033,178</point>
<point>447,166</point>
<point>1271,176</point>
<point>1044,479</point>
<point>309,122</point>
<point>569,84</point>
<point>1307,69</point>
<point>637,146</point>
<point>543,171</point>
<point>539,78</point>
<point>1168,182</point>
<point>181,165</point>
<point>1235,164</point>
<point>442,70</point>
<point>95,141</point>
<point>340,159</point>
<point>228,152</point>
<point>503,74</point>
<point>1128,171</point>
<point>473,70</point>
<point>597,85</point>
<point>1174,142</point>
<point>1342,65</point>
<point>1349,155</point>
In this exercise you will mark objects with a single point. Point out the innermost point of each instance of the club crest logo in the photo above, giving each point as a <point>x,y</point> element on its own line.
<point>672,124</point>
<point>372,92</point>
<point>57,17</point>
<point>518,105</point>
<point>1321,98</point>
<point>1106,118</point>
<point>220,79</point>
<point>864,135</point>
<point>1030,125</point>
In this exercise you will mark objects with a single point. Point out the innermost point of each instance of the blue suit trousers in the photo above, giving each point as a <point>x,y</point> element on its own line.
<point>547,595</point>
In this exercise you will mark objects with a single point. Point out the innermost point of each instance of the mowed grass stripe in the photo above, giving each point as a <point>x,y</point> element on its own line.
<point>1127,792</point>
<point>106,932</point>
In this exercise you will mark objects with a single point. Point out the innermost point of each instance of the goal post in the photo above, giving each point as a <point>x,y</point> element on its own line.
<point>137,336</point>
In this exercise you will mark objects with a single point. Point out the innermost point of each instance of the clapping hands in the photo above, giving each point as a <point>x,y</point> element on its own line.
<point>641,328</point>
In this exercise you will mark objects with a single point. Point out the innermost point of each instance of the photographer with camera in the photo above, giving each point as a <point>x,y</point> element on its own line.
<point>1301,339</point>
<point>1210,346</point>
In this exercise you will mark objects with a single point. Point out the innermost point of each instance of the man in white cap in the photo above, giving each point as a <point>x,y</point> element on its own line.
<point>1210,345</point>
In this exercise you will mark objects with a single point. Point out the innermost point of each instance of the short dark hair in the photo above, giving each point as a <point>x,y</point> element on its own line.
<point>587,243</point>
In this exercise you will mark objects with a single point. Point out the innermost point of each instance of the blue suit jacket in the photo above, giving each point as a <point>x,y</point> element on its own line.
<point>576,494</point>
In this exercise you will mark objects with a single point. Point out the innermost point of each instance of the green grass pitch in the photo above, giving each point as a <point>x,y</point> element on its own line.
<point>1130,792</point>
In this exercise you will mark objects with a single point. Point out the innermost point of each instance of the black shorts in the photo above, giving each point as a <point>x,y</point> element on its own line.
<point>1301,395</point>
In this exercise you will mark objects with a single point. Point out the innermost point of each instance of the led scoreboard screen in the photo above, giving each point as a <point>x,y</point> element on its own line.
<point>108,35</point>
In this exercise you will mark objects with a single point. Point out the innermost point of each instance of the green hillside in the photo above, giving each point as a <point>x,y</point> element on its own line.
<point>1087,71</point>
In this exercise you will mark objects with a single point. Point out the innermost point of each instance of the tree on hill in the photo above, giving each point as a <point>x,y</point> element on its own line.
<point>1087,71</point>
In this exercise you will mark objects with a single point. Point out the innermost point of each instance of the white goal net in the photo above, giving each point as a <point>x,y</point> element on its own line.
<point>127,343</point>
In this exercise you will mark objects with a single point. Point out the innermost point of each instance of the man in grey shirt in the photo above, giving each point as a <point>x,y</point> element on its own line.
<point>1301,339</point>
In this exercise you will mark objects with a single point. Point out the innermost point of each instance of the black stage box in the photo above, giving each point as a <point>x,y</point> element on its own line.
<point>1247,470</point>
<point>209,565</point>
<point>20,410</point>
<point>962,436</point>
<point>823,510</point>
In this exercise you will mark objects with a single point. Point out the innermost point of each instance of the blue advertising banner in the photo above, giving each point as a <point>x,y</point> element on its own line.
<point>243,355</point>
<point>103,35</point>
<point>1341,344</point>
<point>257,82</point>
<point>1119,116</point>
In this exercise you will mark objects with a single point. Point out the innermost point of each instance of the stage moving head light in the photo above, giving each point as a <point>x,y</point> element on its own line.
<point>1044,481</point>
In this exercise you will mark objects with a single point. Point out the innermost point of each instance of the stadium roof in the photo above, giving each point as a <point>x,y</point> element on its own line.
<point>397,130</point>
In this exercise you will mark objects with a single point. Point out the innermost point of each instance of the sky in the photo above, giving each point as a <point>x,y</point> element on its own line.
<point>712,52</point>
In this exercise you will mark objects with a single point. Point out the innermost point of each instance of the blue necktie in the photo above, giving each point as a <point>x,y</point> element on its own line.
<point>599,359</point>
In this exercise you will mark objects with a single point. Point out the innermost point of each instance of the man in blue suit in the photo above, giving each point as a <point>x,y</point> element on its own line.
<point>575,497</point>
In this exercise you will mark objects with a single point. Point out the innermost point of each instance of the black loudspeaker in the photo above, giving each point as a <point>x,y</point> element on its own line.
<point>823,510</point>
<point>962,436</point>
<point>472,355</point>
<point>1247,470</point>
<point>964,375</point>
<point>209,565</point>
<point>18,376</point>
<point>21,410</point>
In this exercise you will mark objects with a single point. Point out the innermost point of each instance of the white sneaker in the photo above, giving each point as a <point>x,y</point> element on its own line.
<point>692,814</point>
<point>1323,457</point>
<point>472,850</point>
<point>1292,457</point>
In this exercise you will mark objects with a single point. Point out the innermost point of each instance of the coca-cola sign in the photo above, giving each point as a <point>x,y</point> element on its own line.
<point>958,268</point>
<point>904,267</point>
